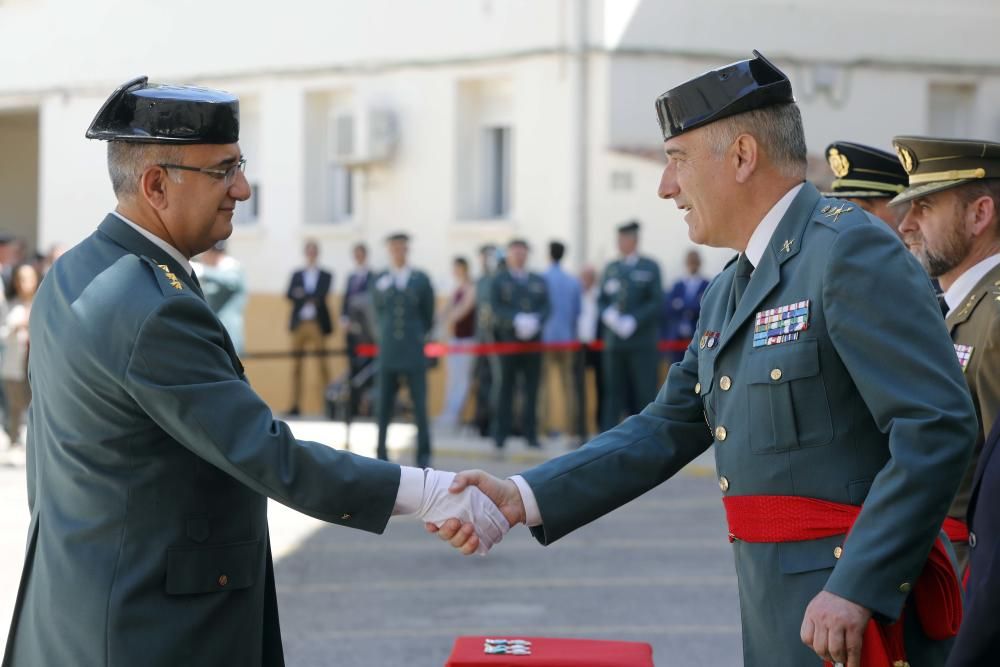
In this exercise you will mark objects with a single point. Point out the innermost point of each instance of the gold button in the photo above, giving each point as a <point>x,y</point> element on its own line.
<point>697,388</point>
<point>838,552</point>
<point>905,587</point>
<point>720,433</point>
<point>345,517</point>
<point>723,483</point>
<point>725,383</point>
<point>776,374</point>
<point>223,580</point>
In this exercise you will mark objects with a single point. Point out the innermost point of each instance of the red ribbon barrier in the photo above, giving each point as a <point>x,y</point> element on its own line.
<point>483,349</point>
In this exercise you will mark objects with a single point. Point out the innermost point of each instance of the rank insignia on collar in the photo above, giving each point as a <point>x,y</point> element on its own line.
<point>787,245</point>
<point>964,352</point>
<point>172,277</point>
<point>835,213</point>
<point>780,325</point>
<point>709,340</point>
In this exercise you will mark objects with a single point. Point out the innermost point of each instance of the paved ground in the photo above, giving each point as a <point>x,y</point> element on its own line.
<point>658,570</point>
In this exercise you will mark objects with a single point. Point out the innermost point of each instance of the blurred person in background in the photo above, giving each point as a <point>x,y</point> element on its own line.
<point>486,369</point>
<point>356,319</point>
<point>14,364</point>
<point>459,318</point>
<point>560,327</point>
<point>683,304</point>
<point>225,289</point>
<point>589,332</point>
<point>310,324</point>
<point>868,177</point>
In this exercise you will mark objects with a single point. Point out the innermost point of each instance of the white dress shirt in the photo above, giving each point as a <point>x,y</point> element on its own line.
<point>310,276</point>
<point>400,277</point>
<point>960,288</point>
<point>754,252</point>
<point>586,324</point>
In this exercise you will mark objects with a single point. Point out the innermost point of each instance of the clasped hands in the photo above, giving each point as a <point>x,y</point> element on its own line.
<point>472,510</point>
<point>623,325</point>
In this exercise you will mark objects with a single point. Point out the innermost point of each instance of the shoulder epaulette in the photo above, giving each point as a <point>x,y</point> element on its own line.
<point>168,281</point>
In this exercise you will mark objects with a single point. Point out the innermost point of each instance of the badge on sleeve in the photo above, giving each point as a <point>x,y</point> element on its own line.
<point>780,325</point>
<point>964,352</point>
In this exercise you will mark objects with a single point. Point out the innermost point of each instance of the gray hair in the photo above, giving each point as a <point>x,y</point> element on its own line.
<point>777,129</point>
<point>127,161</point>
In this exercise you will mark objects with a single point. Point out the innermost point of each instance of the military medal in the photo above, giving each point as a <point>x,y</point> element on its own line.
<point>709,339</point>
<point>780,325</point>
<point>963,352</point>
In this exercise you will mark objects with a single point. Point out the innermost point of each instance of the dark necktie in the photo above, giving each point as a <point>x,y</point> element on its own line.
<point>743,270</point>
<point>942,304</point>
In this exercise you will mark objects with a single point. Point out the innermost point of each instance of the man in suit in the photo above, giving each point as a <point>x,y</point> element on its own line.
<point>151,458</point>
<point>354,317</point>
<point>683,303</point>
<point>519,302</point>
<point>310,321</point>
<point>404,310</point>
<point>868,177</point>
<point>631,300</point>
<point>829,413</point>
<point>952,226</point>
<point>978,642</point>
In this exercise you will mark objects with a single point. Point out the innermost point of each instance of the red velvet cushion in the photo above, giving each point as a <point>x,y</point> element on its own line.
<point>548,652</point>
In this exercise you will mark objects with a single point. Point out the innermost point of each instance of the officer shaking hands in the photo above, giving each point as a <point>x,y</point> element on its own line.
<point>404,311</point>
<point>151,457</point>
<point>630,301</point>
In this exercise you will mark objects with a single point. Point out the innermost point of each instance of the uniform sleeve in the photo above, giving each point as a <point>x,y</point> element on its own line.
<point>887,329</point>
<point>625,462</point>
<point>503,312</point>
<point>427,305</point>
<point>180,374</point>
<point>988,372</point>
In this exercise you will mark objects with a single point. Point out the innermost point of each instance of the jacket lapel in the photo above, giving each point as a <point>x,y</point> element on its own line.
<point>137,244</point>
<point>784,245</point>
<point>987,285</point>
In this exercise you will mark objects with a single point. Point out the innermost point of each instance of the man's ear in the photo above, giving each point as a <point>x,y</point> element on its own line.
<point>153,185</point>
<point>744,153</point>
<point>982,216</point>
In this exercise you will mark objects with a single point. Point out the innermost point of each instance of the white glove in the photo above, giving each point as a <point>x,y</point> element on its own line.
<point>469,506</point>
<point>525,325</point>
<point>610,318</point>
<point>626,326</point>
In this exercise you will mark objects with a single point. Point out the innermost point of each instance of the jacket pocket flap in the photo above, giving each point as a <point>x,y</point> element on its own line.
<point>784,362</point>
<point>212,568</point>
<point>809,555</point>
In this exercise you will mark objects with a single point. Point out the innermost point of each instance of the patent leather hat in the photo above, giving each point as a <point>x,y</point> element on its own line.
<point>863,172</point>
<point>742,86</point>
<point>143,112</point>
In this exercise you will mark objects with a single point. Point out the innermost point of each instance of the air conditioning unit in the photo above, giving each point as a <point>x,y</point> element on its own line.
<point>358,136</point>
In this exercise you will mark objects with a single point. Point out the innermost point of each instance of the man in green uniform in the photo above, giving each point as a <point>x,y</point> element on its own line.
<point>150,458</point>
<point>868,177</point>
<point>823,374</point>
<point>486,369</point>
<point>951,225</point>
<point>630,301</point>
<point>519,301</point>
<point>404,311</point>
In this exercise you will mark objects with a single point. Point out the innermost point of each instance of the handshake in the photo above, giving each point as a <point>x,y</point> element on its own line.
<point>471,510</point>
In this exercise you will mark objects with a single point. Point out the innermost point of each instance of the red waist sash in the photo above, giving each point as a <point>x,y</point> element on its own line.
<point>936,596</point>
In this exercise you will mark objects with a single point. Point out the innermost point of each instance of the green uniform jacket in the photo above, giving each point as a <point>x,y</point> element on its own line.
<point>636,291</point>
<point>150,461</point>
<point>866,406</point>
<point>975,328</point>
<point>404,317</point>
<point>510,296</point>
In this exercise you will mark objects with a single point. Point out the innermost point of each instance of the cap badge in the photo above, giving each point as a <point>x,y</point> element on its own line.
<point>907,159</point>
<point>838,163</point>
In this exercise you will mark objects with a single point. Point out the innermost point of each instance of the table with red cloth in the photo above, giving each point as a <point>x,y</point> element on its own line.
<point>551,652</point>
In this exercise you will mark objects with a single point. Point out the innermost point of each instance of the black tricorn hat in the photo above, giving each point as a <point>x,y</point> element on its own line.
<point>142,112</point>
<point>716,94</point>
<point>863,172</point>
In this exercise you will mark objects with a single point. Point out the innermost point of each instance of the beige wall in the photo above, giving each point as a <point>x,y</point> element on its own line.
<point>19,175</point>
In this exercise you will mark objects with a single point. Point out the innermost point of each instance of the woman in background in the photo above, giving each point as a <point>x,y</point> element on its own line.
<point>14,365</point>
<point>459,317</point>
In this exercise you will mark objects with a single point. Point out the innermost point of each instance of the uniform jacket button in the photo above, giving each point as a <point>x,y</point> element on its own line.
<point>223,581</point>
<point>838,552</point>
<point>972,539</point>
<point>776,374</point>
<point>720,433</point>
<point>345,517</point>
<point>905,587</point>
<point>725,383</point>
<point>724,483</point>
<point>697,388</point>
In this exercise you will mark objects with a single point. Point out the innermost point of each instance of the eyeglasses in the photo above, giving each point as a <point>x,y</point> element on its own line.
<point>227,176</point>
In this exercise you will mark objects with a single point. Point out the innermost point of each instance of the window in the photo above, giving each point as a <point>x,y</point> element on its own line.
<point>484,159</point>
<point>331,145</point>
<point>247,212</point>
<point>951,110</point>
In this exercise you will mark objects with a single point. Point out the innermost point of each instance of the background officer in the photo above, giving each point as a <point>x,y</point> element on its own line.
<point>519,301</point>
<point>404,309</point>
<point>952,226</point>
<point>868,177</point>
<point>487,365</point>
<point>151,458</point>
<point>630,302</point>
